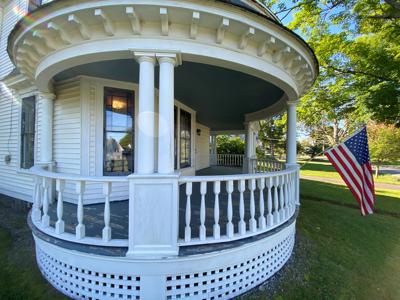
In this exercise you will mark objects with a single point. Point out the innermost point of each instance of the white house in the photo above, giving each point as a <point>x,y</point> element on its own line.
<point>107,110</point>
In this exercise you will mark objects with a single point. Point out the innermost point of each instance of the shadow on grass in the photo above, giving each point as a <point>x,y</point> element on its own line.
<point>342,255</point>
<point>341,195</point>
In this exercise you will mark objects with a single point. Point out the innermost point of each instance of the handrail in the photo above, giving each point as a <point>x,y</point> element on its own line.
<point>73,177</point>
<point>183,179</point>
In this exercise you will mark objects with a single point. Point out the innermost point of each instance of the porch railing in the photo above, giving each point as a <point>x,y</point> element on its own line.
<point>227,160</point>
<point>214,209</point>
<point>252,204</point>
<point>262,165</point>
<point>43,182</point>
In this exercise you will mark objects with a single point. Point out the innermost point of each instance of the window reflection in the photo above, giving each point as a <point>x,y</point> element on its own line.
<point>118,132</point>
<point>185,139</point>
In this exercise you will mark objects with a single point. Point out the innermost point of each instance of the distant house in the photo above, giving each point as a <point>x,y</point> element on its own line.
<point>109,112</point>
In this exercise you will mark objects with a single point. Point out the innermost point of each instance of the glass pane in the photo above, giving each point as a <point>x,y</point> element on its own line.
<point>185,136</point>
<point>118,132</point>
<point>118,152</point>
<point>27,132</point>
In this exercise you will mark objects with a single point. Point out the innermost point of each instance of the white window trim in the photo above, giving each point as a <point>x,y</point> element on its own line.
<point>19,97</point>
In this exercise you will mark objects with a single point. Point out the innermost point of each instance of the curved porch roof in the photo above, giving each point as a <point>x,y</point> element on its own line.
<point>221,97</point>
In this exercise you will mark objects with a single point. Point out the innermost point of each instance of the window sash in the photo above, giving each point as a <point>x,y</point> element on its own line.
<point>118,136</point>
<point>185,139</point>
<point>27,149</point>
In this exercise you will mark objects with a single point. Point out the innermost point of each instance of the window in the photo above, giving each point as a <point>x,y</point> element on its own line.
<point>27,132</point>
<point>118,132</point>
<point>34,4</point>
<point>185,139</point>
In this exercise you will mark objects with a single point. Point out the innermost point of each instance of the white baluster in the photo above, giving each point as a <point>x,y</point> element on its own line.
<point>80,228</point>
<point>252,222</point>
<point>60,225</point>
<point>294,192</point>
<point>107,212</point>
<point>188,212</point>
<point>36,213</point>
<point>229,225</point>
<point>270,218</point>
<point>286,191</point>
<point>276,203</point>
<point>261,220</point>
<point>203,191</point>
<point>45,217</point>
<point>216,227</point>
<point>281,199</point>
<point>242,223</point>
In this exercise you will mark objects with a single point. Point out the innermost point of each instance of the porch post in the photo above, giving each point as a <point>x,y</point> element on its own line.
<point>146,134</point>
<point>166,114</point>
<point>291,146</point>
<point>46,101</point>
<point>153,197</point>
<point>213,151</point>
<point>45,130</point>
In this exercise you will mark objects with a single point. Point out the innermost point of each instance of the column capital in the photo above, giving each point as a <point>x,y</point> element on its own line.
<point>142,56</point>
<point>46,95</point>
<point>292,102</point>
<point>171,57</point>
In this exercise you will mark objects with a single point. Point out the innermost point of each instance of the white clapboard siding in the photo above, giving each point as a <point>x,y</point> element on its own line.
<point>67,132</point>
<point>12,183</point>
<point>202,147</point>
<point>12,12</point>
<point>94,191</point>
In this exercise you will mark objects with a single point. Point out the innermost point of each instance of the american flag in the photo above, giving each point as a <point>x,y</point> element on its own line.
<point>351,161</point>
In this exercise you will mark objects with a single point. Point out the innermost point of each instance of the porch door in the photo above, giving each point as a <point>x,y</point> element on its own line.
<point>119,131</point>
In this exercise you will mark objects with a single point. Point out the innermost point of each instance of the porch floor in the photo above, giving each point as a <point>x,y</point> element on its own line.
<point>94,213</point>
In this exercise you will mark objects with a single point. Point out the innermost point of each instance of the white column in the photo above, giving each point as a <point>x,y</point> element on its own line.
<point>291,147</point>
<point>145,147</point>
<point>166,115</point>
<point>46,127</point>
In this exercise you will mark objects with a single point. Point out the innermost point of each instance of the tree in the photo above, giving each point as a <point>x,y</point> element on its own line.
<point>384,144</point>
<point>357,44</point>
<point>230,145</point>
<point>272,135</point>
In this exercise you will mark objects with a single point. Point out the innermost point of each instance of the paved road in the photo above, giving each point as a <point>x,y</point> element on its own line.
<point>379,185</point>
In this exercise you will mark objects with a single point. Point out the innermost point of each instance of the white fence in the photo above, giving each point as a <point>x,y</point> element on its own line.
<point>227,160</point>
<point>225,208</point>
<point>275,194</point>
<point>266,165</point>
<point>42,200</point>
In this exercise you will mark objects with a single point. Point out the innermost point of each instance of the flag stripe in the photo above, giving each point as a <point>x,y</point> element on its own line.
<point>366,200</point>
<point>351,161</point>
<point>355,192</point>
<point>368,204</point>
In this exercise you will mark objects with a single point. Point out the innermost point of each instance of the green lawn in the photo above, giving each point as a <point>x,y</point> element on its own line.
<point>339,254</point>
<point>342,254</point>
<point>321,168</point>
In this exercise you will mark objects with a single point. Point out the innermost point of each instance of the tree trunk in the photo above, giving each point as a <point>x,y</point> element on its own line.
<point>377,170</point>
<point>336,131</point>
<point>271,145</point>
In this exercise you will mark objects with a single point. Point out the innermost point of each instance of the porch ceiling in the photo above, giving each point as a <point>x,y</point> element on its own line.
<point>220,96</point>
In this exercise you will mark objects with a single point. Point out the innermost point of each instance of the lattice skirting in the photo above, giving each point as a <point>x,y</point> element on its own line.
<point>215,275</point>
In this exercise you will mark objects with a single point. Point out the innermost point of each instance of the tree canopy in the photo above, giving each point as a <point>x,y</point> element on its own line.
<point>357,43</point>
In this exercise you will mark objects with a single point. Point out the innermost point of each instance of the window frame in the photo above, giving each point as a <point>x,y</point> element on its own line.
<point>21,160</point>
<point>190,140</point>
<point>106,90</point>
<point>33,5</point>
